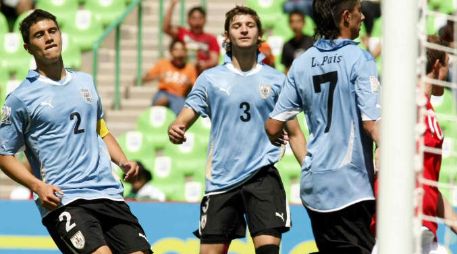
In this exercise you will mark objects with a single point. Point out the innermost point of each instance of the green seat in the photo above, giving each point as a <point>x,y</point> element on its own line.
<point>13,58</point>
<point>268,11</point>
<point>3,25</point>
<point>153,123</point>
<point>105,11</point>
<point>166,178</point>
<point>136,147</point>
<point>64,10</point>
<point>71,52</point>
<point>84,29</point>
<point>17,22</point>
<point>377,28</point>
<point>189,158</point>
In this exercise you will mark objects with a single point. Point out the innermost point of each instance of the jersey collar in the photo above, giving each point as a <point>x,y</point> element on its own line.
<point>34,74</point>
<point>256,69</point>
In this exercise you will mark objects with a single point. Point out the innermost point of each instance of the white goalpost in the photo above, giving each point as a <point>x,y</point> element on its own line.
<point>397,182</point>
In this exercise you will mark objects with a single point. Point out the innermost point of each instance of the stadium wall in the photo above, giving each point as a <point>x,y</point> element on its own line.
<point>169,228</point>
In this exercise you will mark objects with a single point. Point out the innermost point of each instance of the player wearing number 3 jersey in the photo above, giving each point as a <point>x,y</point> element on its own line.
<point>56,114</point>
<point>240,177</point>
<point>336,84</point>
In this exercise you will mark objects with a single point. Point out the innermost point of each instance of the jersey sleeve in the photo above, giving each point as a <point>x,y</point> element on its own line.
<point>198,97</point>
<point>289,102</point>
<point>13,124</point>
<point>367,88</point>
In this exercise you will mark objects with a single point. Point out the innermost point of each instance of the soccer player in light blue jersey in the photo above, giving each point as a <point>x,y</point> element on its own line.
<point>241,181</point>
<point>336,84</point>
<point>56,115</point>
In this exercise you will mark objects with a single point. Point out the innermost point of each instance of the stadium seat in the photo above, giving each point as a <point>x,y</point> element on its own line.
<point>3,25</point>
<point>268,10</point>
<point>153,123</point>
<point>189,158</point>
<point>17,22</point>
<point>105,11</point>
<point>64,10</point>
<point>167,179</point>
<point>84,29</point>
<point>13,58</point>
<point>71,52</point>
<point>136,147</point>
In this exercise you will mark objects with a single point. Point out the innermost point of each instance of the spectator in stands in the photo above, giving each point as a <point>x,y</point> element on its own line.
<point>176,77</point>
<point>297,44</point>
<point>203,47</point>
<point>242,184</point>
<point>56,115</point>
<point>371,9</point>
<point>13,8</point>
<point>302,6</point>
<point>266,50</point>
<point>335,83</point>
<point>142,188</point>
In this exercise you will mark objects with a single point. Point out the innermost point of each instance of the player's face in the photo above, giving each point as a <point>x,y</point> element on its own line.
<point>243,32</point>
<point>296,23</point>
<point>355,20</point>
<point>45,41</point>
<point>196,21</point>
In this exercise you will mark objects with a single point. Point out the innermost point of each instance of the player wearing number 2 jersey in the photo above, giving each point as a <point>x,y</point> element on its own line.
<point>335,83</point>
<point>240,177</point>
<point>56,115</point>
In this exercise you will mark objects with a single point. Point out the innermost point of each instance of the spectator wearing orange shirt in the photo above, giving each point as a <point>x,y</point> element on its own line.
<point>176,77</point>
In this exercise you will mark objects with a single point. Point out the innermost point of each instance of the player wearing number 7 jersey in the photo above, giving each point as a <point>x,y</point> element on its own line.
<point>335,83</point>
<point>56,115</point>
<point>241,181</point>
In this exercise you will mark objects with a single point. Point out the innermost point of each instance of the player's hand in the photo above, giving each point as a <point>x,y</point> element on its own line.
<point>130,169</point>
<point>176,133</point>
<point>281,139</point>
<point>50,195</point>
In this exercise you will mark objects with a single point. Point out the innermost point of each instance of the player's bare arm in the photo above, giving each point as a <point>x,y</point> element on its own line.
<point>130,168</point>
<point>177,129</point>
<point>275,131</point>
<point>296,139</point>
<point>19,173</point>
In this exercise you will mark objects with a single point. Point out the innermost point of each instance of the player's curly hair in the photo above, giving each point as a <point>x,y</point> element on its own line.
<point>327,16</point>
<point>34,17</point>
<point>240,10</point>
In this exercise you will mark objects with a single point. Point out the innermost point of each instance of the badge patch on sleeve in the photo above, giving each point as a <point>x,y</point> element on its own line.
<point>374,82</point>
<point>5,115</point>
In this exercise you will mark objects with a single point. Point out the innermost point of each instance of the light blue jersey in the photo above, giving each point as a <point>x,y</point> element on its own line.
<point>335,83</point>
<point>56,122</point>
<point>238,104</point>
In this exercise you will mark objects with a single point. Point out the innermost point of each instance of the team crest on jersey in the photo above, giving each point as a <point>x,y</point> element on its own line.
<point>78,240</point>
<point>5,115</point>
<point>86,95</point>
<point>265,90</point>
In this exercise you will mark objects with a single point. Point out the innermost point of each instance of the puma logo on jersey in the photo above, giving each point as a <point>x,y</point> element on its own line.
<point>225,90</point>
<point>280,215</point>
<point>142,235</point>
<point>47,103</point>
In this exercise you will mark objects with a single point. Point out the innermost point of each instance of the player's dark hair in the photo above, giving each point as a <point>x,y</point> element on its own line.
<point>174,42</point>
<point>433,54</point>
<point>196,9</point>
<point>34,17</point>
<point>240,10</point>
<point>327,16</point>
